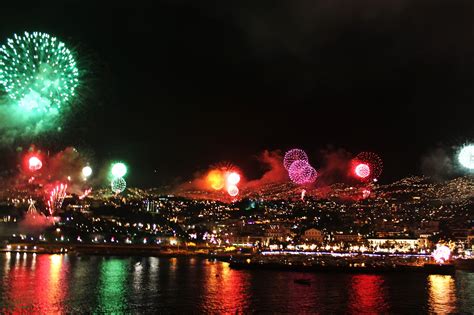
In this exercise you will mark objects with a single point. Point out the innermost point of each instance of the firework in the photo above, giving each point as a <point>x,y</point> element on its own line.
<point>118,184</point>
<point>365,193</point>
<point>86,171</point>
<point>215,179</point>
<point>56,198</point>
<point>232,190</point>
<point>34,163</point>
<point>38,72</point>
<point>367,166</point>
<point>118,169</point>
<point>292,156</point>
<point>233,178</point>
<point>225,166</point>
<point>441,254</point>
<point>299,172</point>
<point>466,156</point>
<point>310,174</point>
<point>85,193</point>
<point>362,170</point>
<point>303,194</point>
<point>31,208</point>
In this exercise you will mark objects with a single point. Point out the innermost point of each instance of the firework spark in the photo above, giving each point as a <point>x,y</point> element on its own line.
<point>299,172</point>
<point>233,178</point>
<point>215,179</point>
<point>303,194</point>
<point>118,185</point>
<point>86,171</point>
<point>441,254</point>
<point>34,163</point>
<point>294,155</point>
<point>466,157</point>
<point>38,72</point>
<point>367,166</point>
<point>85,193</point>
<point>362,170</point>
<point>232,190</point>
<point>56,198</point>
<point>118,169</point>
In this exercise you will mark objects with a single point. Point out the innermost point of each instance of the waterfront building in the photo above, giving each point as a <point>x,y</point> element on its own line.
<point>313,235</point>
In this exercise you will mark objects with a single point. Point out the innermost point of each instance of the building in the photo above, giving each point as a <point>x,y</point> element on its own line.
<point>313,235</point>
<point>395,244</point>
<point>249,241</point>
<point>151,206</point>
<point>347,238</point>
<point>277,232</point>
<point>470,240</point>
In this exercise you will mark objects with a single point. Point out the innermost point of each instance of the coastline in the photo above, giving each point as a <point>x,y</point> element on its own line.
<point>236,261</point>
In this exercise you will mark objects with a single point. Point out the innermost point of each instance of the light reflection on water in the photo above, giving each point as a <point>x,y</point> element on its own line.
<point>368,293</point>
<point>58,284</point>
<point>442,294</point>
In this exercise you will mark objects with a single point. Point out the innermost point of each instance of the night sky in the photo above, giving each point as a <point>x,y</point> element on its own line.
<point>172,86</point>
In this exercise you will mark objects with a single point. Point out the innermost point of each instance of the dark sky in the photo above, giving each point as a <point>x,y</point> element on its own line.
<point>174,86</point>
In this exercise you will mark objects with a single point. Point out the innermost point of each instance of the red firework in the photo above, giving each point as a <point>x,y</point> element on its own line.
<point>367,166</point>
<point>85,193</point>
<point>32,161</point>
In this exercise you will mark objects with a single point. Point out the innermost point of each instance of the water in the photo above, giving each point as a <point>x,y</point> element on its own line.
<point>94,284</point>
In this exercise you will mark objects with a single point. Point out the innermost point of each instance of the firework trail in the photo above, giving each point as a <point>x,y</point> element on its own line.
<point>56,198</point>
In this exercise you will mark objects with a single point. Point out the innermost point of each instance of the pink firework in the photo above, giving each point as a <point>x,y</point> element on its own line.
<point>232,190</point>
<point>441,254</point>
<point>300,172</point>
<point>294,155</point>
<point>310,174</point>
<point>56,198</point>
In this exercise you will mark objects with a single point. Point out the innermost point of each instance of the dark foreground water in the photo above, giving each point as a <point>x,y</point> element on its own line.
<point>94,284</point>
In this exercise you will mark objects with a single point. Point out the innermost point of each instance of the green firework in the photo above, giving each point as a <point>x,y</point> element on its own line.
<point>38,72</point>
<point>118,184</point>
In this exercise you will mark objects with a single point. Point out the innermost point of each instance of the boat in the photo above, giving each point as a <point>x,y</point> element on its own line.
<point>440,269</point>
<point>302,281</point>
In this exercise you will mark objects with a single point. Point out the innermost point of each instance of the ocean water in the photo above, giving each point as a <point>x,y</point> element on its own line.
<point>59,284</point>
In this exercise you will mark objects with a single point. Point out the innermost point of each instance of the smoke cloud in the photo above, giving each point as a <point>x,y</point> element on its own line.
<point>275,171</point>
<point>18,124</point>
<point>437,164</point>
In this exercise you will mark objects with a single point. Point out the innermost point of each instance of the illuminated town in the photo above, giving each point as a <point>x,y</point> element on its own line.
<point>411,216</point>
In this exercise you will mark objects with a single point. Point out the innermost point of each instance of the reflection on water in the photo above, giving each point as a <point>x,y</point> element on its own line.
<point>225,290</point>
<point>367,294</point>
<point>58,284</point>
<point>112,287</point>
<point>35,283</point>
<point>442,294</point>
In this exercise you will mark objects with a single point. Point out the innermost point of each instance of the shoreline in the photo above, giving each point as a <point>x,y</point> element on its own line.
<point>236,261</point>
